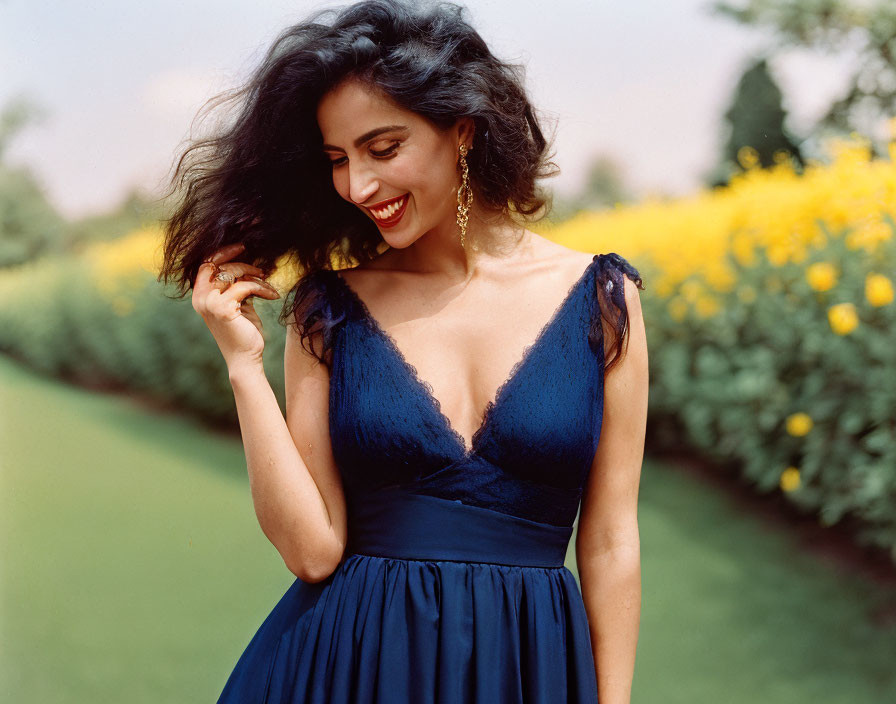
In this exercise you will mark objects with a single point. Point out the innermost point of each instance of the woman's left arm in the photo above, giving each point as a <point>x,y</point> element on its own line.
<point>608,550</point>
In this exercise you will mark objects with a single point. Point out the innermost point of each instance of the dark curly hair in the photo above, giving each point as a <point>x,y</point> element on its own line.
<point>265,181</point>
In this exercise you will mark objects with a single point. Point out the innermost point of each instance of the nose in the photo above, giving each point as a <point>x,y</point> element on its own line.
<point>361,185</point>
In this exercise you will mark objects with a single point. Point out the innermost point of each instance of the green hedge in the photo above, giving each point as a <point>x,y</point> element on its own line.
<point>126,335</point>
<point>726,384</point>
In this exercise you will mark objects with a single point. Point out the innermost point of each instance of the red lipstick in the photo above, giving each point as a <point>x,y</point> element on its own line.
<point>395,216</point>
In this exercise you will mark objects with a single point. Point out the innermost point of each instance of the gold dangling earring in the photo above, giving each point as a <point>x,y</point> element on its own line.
<point>464,196</point>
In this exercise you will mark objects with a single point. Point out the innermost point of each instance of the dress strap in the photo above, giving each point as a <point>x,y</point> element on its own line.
<point>609,302</point>
<point>320,306</point>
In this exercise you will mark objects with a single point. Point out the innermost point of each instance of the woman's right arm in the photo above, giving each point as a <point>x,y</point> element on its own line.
<point>295,485</point>
<point>296,488</point>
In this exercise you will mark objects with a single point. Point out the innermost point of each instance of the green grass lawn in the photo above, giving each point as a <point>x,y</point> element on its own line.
<point>134,571</point>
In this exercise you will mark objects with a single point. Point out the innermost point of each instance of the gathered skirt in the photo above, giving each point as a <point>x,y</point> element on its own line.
<point>434,602</point>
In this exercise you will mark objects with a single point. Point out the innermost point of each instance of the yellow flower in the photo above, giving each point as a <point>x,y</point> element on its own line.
<point>843,318</point>
<point>822,276</point>
<point>743,247</point>
<point>691,291</point>
<point>878,289</point>
<point>717,235</point>
<point>706,306</point>
<point>798,424</point>
<point>678,308</point>
<point>781,156</point>
<point>748,157</point>
<point>790,479</point>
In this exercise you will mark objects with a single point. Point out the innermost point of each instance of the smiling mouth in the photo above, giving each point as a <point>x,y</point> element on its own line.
<point>390,213</point>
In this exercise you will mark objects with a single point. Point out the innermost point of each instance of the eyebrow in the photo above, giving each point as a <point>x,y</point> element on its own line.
<point>367,136</point>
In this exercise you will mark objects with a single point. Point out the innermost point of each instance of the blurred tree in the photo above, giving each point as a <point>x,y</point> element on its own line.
<point>29,225</point>
<point>14,117</point>
<point>865,27</point>
<point>604,186</point>
<point>136,210</point>
<point>757,131</point>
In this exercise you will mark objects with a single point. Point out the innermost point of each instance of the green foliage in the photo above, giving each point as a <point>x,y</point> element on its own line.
<point>726,384</point>
<point>863,27</point>
<point>29,226</point>
<point>134,212</point>
<point>723,384</point>
<point>756,119</point>
<point>128,336</point>
<point>604,187</point>
<point>135,572</point>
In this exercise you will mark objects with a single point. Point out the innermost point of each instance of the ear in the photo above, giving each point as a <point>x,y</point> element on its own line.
<point>466,128</point>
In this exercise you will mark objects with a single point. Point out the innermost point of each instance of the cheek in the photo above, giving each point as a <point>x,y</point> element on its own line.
<point>441,176</point>
<point>403,175</point>
<point>340,182</point>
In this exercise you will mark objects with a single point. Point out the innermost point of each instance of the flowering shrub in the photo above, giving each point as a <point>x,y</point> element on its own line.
<point>769,310</point>
<point>772,328</point>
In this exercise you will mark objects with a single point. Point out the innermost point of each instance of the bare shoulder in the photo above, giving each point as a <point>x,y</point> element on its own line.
<point>635,344</point>
<point>570,262</point>
<point>632,297</point>
<point>371,277</point>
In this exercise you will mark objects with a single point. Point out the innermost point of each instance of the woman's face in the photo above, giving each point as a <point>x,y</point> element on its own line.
<point>384,156</point>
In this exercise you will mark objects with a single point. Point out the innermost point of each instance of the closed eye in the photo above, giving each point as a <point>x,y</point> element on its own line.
<point>386,153</point>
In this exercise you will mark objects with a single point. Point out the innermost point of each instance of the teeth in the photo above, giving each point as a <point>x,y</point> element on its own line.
<point>389,210</point>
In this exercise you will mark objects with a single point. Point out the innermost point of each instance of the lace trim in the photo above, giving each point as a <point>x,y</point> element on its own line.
<point>503,388</point>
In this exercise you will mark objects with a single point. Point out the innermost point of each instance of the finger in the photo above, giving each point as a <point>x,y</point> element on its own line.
<point>236,299</point>
<point>210,268</point>
<point>227,252</point>
<point>236,269</point>
<point>241,268</point>
<point>260,280</point>
<point>243,288</point>
<point>259,286</point>
<point>227,308</point>
<point>205,282</point>
<point>250,314</point>
<point>222,280</point>
<point>205,271</point>
<point>213,273</point>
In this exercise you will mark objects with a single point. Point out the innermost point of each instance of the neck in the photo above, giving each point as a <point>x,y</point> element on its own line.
<point>490,236</point>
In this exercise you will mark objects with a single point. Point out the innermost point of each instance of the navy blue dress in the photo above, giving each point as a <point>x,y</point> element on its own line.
<point>452,589</point>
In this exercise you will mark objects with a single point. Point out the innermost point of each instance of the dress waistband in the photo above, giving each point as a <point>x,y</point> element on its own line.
<point>396,523</point>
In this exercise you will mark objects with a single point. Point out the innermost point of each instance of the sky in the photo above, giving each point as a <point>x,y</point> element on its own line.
<point>645,82</point>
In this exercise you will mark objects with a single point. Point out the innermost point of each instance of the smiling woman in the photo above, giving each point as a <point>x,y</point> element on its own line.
<point>409,154</point>
<point>267,180</point>
<point>449,407</point>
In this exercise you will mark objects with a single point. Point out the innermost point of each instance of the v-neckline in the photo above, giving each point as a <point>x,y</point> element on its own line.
<point>425,388</point>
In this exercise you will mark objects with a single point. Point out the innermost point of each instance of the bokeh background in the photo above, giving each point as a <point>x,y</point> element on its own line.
<point>740,154</point>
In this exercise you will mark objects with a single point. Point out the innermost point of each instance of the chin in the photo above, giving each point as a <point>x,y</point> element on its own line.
<point>398,242</point>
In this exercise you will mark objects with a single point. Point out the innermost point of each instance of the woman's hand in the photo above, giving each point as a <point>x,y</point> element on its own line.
<point>226,306</point>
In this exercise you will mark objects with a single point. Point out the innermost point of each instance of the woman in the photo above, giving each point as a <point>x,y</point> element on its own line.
<point>444,396</point>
